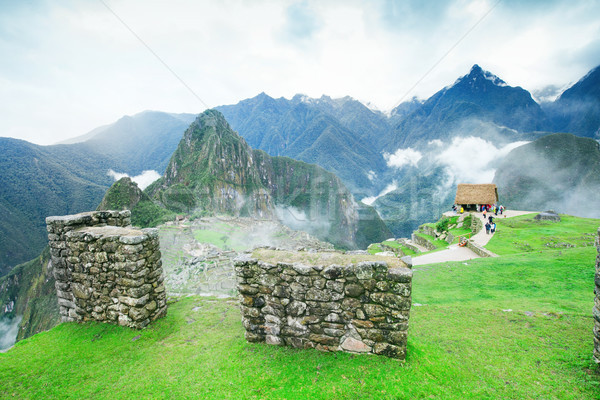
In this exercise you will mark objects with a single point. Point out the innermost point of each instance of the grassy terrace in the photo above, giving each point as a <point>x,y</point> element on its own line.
<point>514,327</point>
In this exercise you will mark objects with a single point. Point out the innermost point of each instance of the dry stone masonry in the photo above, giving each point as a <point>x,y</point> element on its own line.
<point>596,309</point>
<point>106,270</point>
<point>358,308</point>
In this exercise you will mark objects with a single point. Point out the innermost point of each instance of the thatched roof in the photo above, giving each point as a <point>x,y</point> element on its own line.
<point>469,193</point>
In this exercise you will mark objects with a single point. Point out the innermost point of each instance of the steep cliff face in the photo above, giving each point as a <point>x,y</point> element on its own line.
<point>214,171</point>
<point>28,296</point>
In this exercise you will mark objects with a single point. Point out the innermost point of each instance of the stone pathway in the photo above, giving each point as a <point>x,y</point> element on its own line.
<point>456,253</point>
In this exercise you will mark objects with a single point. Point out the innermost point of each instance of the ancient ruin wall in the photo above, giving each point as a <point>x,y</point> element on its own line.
<point>105,270</point>
<point>596,309</point>
<point>362,308</point>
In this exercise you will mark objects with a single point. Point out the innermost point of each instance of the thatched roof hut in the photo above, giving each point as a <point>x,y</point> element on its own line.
<point>469,194</point>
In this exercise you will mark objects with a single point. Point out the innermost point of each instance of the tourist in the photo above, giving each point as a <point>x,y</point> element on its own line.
<point>487,228</point>
<point>491,219</point>
<point>493,228</point>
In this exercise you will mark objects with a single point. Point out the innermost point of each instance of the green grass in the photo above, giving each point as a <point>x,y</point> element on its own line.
<point>460,232</point>
<point>524,234</point>
<point>463,343</point>
<point>392,243</point>
<point>439,244</point>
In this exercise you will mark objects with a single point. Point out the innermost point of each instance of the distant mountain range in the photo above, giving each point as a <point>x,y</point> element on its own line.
<point>336,134</point>
<point>394,159</point>
<point>361,145</point>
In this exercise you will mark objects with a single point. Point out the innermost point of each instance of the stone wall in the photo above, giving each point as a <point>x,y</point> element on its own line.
<point>362,308</point>
<point>105,270</point>
<point>404,242</point>
<point>596,308</point>
<point>476,224</point>
<point>421,241</point>
<point>479,250</point>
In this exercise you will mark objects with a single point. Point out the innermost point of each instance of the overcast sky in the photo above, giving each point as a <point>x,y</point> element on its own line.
<point>69,66</point>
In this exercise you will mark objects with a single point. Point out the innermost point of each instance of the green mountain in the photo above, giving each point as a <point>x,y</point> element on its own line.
<point>214,171</point>
<point>38,181</point>
<point>559,172</point>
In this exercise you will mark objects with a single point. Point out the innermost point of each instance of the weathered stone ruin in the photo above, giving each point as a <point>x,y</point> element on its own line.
<point>547,216</point>
<point>596,309</point>
<point>359,308</point>
<point>106,270</point>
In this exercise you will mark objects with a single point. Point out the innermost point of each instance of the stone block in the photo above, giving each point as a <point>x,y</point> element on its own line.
<point>355,346</point>
<point>138,314</point>
<point>389,350</point>
<point>323,339</point>
<point>354,290</point>
<point>134,302</point>
<point>138,292</point>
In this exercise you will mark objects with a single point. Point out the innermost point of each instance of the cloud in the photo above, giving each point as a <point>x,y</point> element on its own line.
<point>402,157</point>
<point>435,142</point>
<point>472,159</point>
<point>298,220</point>
<point>301,24</point>
<point>372,175</point>
<point>75,58</point>
<point>389,188</point>
<point>9,328</point>
<point>143,180</point>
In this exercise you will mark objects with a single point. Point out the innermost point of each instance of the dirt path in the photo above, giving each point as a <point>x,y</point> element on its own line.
<point>456,253</point>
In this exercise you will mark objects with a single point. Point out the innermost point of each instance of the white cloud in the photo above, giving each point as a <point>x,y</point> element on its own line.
<point>75,59</point>
<point>371,175</point>
<point>435,142</point>
<point>402,157</point>
<point>143,180</point>
<point>472,159</point>
<point>389,188</point>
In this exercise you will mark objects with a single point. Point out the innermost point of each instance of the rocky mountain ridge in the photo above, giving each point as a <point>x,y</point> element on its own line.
<point>215,171</point>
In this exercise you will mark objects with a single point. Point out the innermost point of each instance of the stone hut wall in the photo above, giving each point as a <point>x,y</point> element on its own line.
<point>596,308</point>
<point>105,270</point>
<point>361,308</point>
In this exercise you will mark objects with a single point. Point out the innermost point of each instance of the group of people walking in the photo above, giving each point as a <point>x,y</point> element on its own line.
<point>487,210</point>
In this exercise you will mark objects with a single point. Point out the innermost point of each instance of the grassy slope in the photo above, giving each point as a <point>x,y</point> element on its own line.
<point>462,342</point>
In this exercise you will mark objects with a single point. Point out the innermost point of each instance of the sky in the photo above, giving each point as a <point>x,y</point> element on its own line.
<point>69,66</point>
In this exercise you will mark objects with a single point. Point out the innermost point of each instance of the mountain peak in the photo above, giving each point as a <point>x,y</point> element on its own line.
<point>478,74</point>
<point>476,69</point>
